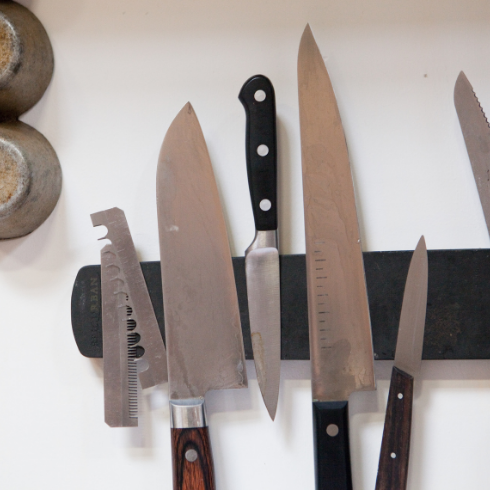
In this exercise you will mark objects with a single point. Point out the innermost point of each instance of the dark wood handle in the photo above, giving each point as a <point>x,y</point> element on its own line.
<point>331,439</point>
<point>192,459</point>
<point>395,447</point>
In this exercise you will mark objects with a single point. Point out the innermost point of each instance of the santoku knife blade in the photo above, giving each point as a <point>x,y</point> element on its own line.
<point>338,313</point>
<point>202,320</point>
<point>262,256</point>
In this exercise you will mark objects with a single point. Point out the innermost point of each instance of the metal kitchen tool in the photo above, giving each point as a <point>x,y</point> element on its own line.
<point>476,132</point>
<point>129,326</point>
<point>395,447</point>
<point>340,331</point>
<point>202,321</point>
<point>262,256</point>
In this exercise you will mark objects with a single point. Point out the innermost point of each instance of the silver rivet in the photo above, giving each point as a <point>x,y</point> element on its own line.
<point>332,430</point>
<point>259,96</point>
<point>393,455</point>
<point>191,455</point>
<point>262,150</point>
<point>400,395</point>
<point>265,204</point>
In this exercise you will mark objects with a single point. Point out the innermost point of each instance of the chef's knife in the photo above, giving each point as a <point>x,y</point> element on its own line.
<point>202,321</point>
<point>338,313</point>
<point>476,132</point>
<point>262,256</point>
<point>395,447</point>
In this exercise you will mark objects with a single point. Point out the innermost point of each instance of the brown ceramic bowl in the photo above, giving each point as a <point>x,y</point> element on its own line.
<point>26,60</point>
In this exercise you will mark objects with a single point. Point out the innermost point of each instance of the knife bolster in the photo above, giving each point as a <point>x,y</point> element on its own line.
<point>186,414</point>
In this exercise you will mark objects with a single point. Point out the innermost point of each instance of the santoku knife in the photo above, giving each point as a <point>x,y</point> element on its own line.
<point>395,447</point>
<point>476,132</point>
<point>262,256</point>
<point>202,320</point>
<point>338,313</point>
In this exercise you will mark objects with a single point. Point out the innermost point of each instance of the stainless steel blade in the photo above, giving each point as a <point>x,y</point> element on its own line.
<point>410,340</point>
<point>476,132</point>
<point>340,332</point>
<point>202,321</point>
<point>264,309</point>
<point>146,326</point>
<point>120,370</point>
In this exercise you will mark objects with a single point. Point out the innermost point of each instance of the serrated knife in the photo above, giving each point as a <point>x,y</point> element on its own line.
<point>395,446</point>
<point>338,313</point>
<point>202,321</point>
<point>476,132</point>
<point>262,256</point>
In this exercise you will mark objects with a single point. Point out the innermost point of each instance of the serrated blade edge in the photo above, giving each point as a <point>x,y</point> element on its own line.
<point>476,133</point>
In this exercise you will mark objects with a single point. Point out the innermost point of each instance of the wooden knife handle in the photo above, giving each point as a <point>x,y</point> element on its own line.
<point>395,447</point>
<point>192,459</point>
<point>261,130</point>
<point>331,439</point>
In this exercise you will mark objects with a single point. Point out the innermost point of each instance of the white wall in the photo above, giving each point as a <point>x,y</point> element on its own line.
<point>123,71</point>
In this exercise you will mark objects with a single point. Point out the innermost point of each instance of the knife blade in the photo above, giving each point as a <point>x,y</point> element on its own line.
<point>338,312</point>
<point>476,132</point>
<point>262,256</point>
<point>130,329</point>
<point>202,320</point>
<point>395,446</point>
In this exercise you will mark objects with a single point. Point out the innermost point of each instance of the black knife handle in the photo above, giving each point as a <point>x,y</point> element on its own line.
<point>192,459</point>
<point>331,443</point>
<point>395,447</point>
<point>261,130</point>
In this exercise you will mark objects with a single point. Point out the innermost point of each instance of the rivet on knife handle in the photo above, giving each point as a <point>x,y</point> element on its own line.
<point>262,256</point>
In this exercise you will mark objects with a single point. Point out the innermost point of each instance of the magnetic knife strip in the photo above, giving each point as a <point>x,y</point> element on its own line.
<point>458,309</point>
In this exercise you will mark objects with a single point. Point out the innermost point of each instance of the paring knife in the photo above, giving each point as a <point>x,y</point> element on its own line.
<point>395,447</point>
<point>338,313</point>
<point>129,326</point>
<point>476,132</point>
<point>202,320</point>
<point>262,256</point>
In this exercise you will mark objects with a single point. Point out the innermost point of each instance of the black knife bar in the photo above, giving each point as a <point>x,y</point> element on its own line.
<point>458,310</point>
